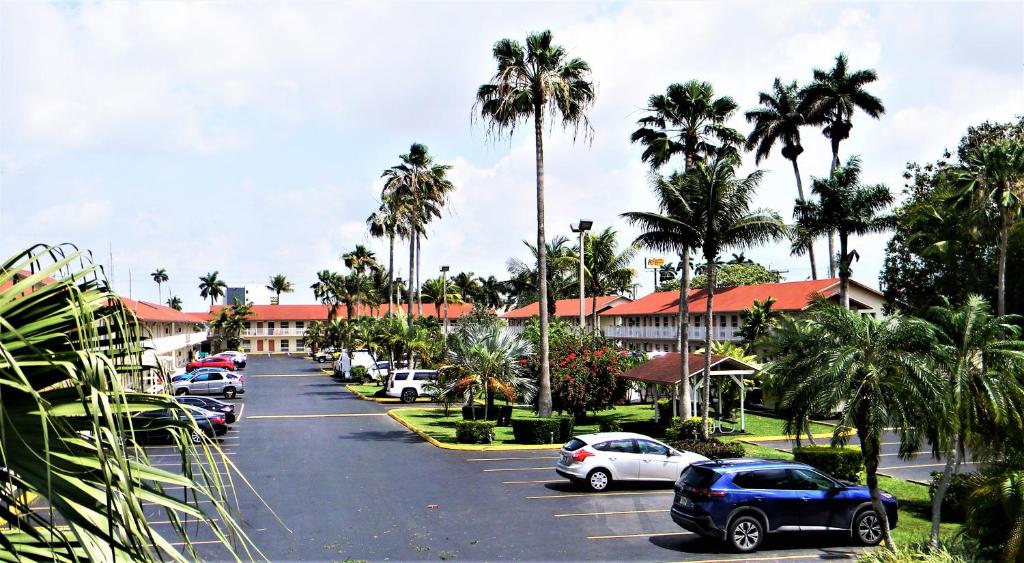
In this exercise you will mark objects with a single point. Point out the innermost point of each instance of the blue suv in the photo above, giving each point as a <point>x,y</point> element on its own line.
<point>740,500</point>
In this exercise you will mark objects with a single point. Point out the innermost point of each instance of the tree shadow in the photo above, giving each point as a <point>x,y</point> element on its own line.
<point>400,436</point>
<point>833,545</point>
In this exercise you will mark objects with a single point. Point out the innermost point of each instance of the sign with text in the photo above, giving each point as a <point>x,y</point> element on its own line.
<point>654,262</point>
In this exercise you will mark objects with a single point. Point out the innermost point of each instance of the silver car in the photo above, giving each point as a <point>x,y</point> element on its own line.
<point>226,383</point>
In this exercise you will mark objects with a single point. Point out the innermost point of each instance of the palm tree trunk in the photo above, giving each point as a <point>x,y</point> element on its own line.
<point>832,172</point>
<point>683,338</point>
<point>408,302</point>
<point>1004,242</point>
<point>952,459</point>
<point>391,273</point>
<point>870,451</point>
<point>544,398</point>
<point>419,288</point>
<point>800,193</point>
<point>844,272</point>
<point>709,328</point>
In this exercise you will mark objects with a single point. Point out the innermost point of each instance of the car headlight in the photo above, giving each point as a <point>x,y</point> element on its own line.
<point>887,496</point>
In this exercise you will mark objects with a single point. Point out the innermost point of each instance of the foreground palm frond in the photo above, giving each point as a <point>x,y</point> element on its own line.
<point>70,362</point>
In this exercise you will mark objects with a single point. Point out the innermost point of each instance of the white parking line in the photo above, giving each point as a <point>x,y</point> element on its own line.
<point>623,493</point>
<point>509,458</point>
<point>627,536</point>
<point>532,482</point>
<point>520,469</point>
<point>615,512</point>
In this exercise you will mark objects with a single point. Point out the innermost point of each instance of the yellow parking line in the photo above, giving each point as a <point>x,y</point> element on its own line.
<point>531,482</point>
<point>610,513</point>
<point>625,536</point>
<point>509,458</point>
<point>327,415</point>
<point>624,493</point>
<point>520,469</point>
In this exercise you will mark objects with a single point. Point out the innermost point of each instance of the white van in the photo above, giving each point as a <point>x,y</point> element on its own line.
<point>407,384</point>
<point>344,364</point>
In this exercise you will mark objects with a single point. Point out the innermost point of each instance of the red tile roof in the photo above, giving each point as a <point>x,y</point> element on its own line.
<point>789,296</point>
<point>319,312</point>
<point>157,313</point>
<point>665,368</point>
<point>564,307</point>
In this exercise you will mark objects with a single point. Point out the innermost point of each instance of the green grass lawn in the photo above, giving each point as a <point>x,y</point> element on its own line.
<point>367,389</point>
<point>758,425</point>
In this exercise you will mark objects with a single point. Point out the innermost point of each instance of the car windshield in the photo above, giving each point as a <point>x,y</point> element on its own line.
<point>699,477</point>
<point>574,444</point>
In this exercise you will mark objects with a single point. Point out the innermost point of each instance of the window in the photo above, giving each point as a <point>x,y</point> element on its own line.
<point>721,321</point>
<point>215,377</point>
<point>696,321</point>
<point>617,446</point>
<point>284,324</point>
<point>424,376</point>
<point>699,477</point>
<point>735,321</point>
<point>401,376</point>
<point>201,377</point>
<point>300,344</point>
<point>648,447</point>
<point>806,480</point>
<point>657,321</point>
<point>284,345</point>
<point>763,479</point>
<point>574,444</point>
<point>300,325</point>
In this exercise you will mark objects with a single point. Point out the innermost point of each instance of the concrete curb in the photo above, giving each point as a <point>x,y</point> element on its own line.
<point>754,439</point>
<point>466,447</point>
<point>387,401</point>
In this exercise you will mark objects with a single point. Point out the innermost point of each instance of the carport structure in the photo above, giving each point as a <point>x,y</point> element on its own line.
<point>664,370</point>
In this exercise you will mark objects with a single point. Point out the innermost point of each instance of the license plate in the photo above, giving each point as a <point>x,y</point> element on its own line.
<point>566,459</point>
<point>685,502</point>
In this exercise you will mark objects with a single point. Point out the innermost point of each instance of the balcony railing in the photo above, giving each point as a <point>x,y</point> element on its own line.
<point>290,331</point>
<point>668,332</point>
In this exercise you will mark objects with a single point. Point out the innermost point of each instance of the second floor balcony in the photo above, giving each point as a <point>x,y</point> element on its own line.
<point>669,332</point>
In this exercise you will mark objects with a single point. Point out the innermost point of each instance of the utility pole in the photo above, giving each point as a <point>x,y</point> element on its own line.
<point>582,228</point>
<point>444,293</point>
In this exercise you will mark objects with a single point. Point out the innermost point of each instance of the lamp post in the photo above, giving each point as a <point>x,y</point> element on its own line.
<point>444,293</point>
<point>582,228</point>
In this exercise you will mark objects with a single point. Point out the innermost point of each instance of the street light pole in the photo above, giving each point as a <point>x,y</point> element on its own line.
<point>582,228</point>
<point>444,293</point>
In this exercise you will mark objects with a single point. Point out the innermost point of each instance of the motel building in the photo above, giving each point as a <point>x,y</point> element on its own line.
<point>280,329</point>
<point>170,337</point>
<point>567,310</point>
<point>650,324</point>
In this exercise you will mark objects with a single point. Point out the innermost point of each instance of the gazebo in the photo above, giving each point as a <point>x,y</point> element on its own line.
<point>664,370</point>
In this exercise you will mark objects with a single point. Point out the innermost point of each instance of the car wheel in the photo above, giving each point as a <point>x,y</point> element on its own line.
<point>181,392</point>
<point>408,395</point>
<point>196,437</point>
<point>746,534</point>
<point>867,527</point>
<point>598,480</point>
<point>229,392</point>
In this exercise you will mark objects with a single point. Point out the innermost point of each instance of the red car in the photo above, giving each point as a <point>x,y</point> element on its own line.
<point>211,362</point>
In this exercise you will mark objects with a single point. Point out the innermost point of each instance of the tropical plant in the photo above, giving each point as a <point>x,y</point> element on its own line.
<point>436,290</point>
<point>981,357</point>
<point>721,206</point>
<point>387,222</point>
<point>606,270</point>
<point>174,302</point>
<point>468,285</point>
<point>70,360</point>
<point>489,359</point>
<point>228,324</point>
<point>995,515</point>
<point>211,286</point>
<point>758,321</point>
<point>279,284</point>
<point>360,260</point>
<point>672,229</point>
<point>559,261</point>
<point>529,82</point>
<point>847,207</point>
<point>315,335</point>
<point>830,100</point>
<point>325,291</point>
<point>994,176</point>
<point>491,290</point>
<point>732,275</point>
<point>779,119</point>
<point>878,373</point>
<point>160,277</point>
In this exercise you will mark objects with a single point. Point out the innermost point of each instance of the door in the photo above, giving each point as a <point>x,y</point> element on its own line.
<point>771,491</point>
<point>622,457</point>
<point>822,507</point>
<point>270,343</point>
<point>259,344</point>
<point>270,331</point>
<point>657,463</point>
<point>215,383</point>
<point>199,383</point>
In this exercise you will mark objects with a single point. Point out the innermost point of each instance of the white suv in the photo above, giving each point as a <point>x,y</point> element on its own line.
<point>595,460</point>
<point>407,384</point>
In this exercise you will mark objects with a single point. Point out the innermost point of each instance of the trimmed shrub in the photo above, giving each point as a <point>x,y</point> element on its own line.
<point>688,429</point>
<point>473,431</point>
<point>610,426</point>
<point>954,504</point>
<point>842,463</point>
<point>713,448</point>
<point>501,414</point>
<point>646,427</point>
<point>360,374</point>
<point>664,408</point>
<point>557,429</point>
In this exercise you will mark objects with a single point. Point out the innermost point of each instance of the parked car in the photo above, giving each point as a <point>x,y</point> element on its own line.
<point>407,384</point>
<point>742,500</point>
<point>152,425</point>
<point>193,373</point>
<point>211,362</point>
<point>344,364</point>
<point>209,404</point>
<point>324,356</point>
<point>596,460</point>
<point>238,357</point>
<point>226,383</point>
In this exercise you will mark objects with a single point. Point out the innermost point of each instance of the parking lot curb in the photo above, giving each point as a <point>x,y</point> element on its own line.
<point>366,398</point>
<point>466,447</point>
<point>755,439</point>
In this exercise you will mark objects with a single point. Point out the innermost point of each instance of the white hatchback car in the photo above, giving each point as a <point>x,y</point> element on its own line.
<point>407,384</point>
<point>595,460</point>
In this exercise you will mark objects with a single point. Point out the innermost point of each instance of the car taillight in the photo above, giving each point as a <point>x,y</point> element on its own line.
<point>241,379</point>
<point>707,493</point>
<point>580,455</point>
<point>217,419</point>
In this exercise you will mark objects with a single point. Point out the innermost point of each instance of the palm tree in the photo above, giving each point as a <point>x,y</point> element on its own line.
<point>529,82</point>
<point>994,175</point>
<point>468,285</point>
<point>779,120</point>
<point>325,291</point>
<point>686,120</point>
<point>673,230</point>
<point>174,302</point>
<point>830,100</point>
<point>758,321</point>
<point>980,357</point>
<point>359,260</point>
<point>315,335</point>
<point>720,202</point>
<point>605,269</point>
<point>211,286</point>
<point>350,290</point>
<point>434,292</point>
<point>877,372</point>
<point>995,512</point>
<point>386,221</point>
<point>558,260</point>
<point>279,284</point>
<point>71,350</point>
<point>489,358</point>
<point>845,206</point>
<point>491,290</point>
<point>160,277</point>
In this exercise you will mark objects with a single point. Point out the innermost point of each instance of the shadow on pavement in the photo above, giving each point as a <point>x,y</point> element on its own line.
<point>833,545</point>
<point>567,487</point>
<point>402,436</point>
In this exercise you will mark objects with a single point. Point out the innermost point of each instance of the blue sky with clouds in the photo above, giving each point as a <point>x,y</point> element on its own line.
<point>248,138</point>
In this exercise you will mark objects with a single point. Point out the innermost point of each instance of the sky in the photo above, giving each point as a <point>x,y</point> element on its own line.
<point>249,138</point>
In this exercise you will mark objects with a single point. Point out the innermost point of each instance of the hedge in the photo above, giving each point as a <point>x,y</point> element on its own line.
<point>609,426</point>
<point>712,449</point>
<point>474,431</point>
<point>842,463</point>
<point>688,429</point>
<point>664,407</point>
<point>954,504</point>
<point>557,429</point>
<point>502,414</point>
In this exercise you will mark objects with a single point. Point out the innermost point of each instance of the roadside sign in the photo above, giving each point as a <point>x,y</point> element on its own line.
<point>654,262</point>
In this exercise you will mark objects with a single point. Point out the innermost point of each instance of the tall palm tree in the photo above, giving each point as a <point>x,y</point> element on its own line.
<point>847,207</point>
<point>530,81</point>
<point>605,269</point>
<point>386,222</point>
<point>279,284</point>
<point>721,207</point>
<point>877,372</point>
<point>360,260</point>
<point>174,302</point>
<point>350,290</point>
<point>160,277</point>
<point>324,290</point>
<point>558,261</point>
<point>673,229</point>
<point>994,176</point>
<point>779,119</point>
<point>314,335</point>
<point>211,286</point>
<point>468,284</point>
<point>980,356</point>
<point>686,120</point>
<point>830,100</point>
<point>491,290</point>
<point>434,292</point>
